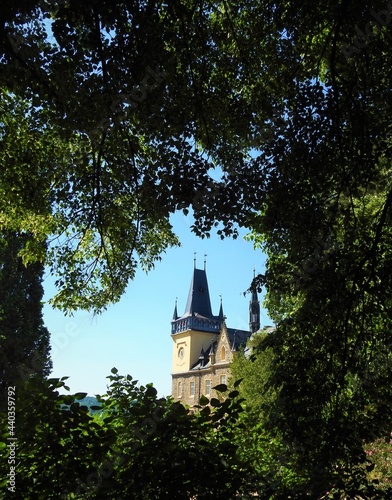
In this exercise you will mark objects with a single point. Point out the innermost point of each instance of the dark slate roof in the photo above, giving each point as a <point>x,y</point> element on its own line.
<point>238,338</point>
<point>204,358</point>
<point>199,296</point>
<point>198,314</point>
<point>175,314</point>
<point>221,315</point>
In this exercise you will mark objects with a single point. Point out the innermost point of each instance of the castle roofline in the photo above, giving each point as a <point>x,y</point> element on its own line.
<point>199,296</point>
<point>198,313</point>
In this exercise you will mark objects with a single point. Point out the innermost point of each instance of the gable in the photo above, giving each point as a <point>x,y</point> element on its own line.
<point>223,353</point>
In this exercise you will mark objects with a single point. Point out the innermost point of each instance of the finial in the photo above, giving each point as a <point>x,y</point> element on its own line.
<point>254,272</point>
<point>194,259</point>
<point>205,261</point>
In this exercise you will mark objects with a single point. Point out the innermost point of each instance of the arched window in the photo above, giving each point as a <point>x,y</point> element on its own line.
<point>223,353</point>
<point>179,390</point>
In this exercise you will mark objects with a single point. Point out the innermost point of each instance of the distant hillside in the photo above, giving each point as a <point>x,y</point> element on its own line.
<point>90,401</point>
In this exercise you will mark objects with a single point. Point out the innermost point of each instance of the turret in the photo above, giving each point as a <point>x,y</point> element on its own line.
<point>198,313</point>
<point>254,312</point>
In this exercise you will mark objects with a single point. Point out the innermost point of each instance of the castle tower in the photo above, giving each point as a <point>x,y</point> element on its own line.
<point>254,312</point>
<point>203,345</point>
<point>197,328</point>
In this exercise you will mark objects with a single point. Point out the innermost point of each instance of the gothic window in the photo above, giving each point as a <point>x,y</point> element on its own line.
<point>192,389</point>
<point>223,379</point>
<point>208,387</point>
<point>223,353</point>
<point>179,389</point>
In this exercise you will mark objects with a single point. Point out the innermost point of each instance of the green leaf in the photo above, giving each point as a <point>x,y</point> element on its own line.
<point>204,401</point>
<point>370,466</point>
<point>151,391</point>
<point>80,395</point>
<point>114,370</point>
<point>68,399</point>
<point>179,409</point>
<point>220,387</point>
<point>205,411</point>
<point>237,382</point>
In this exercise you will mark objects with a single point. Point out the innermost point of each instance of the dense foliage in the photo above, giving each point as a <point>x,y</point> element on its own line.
<point>328,276</point>
<point>114,113</point>
<point>137,447</point>
<point>24,340</point>
<point>131,96</point>
<point>285,467</point>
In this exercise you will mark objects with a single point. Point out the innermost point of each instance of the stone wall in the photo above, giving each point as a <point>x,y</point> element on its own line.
<point>198,382</point>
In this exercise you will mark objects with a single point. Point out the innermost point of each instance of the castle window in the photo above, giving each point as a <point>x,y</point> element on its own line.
<point>179,390</point>
<point>223,379</point>
<point>192,389</point>
<point>223,353</point>
<point>208,387</point>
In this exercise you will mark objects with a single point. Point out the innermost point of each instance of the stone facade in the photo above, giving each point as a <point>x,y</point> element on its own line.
<point>191,385</point>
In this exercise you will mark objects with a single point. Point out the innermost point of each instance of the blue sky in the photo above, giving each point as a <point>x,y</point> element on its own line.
<point>134,334</point>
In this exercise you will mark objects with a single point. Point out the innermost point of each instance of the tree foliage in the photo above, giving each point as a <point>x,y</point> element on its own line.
<point>129,90</point>
<point>290,101</point>
<point>139,446</point>
<point>328,261</point>
<point>24,339</point>
<point>253,367</point>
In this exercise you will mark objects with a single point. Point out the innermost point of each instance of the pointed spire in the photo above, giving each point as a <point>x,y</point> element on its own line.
<point>234,344</point>
<point>254,308</point>
<point>205,262</point>
<point>198,312</point>
<point>199,296</point>
<point>194,260</point>
<point>221,315</point>
<point>175,314</point>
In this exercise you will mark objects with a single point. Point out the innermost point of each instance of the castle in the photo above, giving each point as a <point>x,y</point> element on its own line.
<point>203,345</point>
